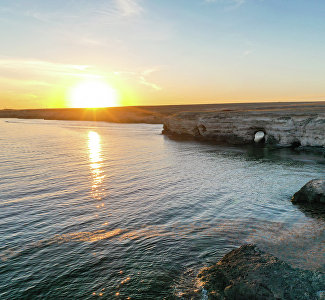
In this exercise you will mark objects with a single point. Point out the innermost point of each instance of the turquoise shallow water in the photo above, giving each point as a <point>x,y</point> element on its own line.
<point>119,211</point>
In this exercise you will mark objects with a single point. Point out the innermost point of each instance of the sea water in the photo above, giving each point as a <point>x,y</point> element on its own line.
<point>118,211</point>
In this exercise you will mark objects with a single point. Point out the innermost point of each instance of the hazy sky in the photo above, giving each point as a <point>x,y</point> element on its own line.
<point>162,51</point>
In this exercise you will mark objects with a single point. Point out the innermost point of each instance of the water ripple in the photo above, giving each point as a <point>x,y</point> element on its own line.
<point>92,210</point>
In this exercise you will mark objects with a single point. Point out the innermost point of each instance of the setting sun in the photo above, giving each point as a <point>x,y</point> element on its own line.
<point>92,94</point>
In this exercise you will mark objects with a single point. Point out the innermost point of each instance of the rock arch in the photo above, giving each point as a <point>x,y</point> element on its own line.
<point>259,136</point>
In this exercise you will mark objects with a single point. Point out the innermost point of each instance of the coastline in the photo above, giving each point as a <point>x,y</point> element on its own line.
<point>191,161</point>
<point>287,124</point>
<point>284,126</point>
<point>153,114</point>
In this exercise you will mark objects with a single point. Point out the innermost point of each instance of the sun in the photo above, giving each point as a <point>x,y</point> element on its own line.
<point>93,94</point>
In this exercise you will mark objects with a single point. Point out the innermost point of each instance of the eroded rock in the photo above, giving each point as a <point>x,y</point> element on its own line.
<point>249,273</point>
<point>283,128</point>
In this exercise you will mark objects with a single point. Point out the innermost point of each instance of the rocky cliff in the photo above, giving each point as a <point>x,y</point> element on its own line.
<point>283,127</point>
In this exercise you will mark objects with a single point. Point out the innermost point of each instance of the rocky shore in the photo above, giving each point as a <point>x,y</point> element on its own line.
<point>249,273</point>
<point>131,114</point>
<point>285,126</point>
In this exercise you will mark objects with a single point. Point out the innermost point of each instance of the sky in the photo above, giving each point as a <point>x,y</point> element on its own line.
<point>159,52</point>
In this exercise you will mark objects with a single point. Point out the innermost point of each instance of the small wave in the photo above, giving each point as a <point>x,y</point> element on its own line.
<point>60,239</point>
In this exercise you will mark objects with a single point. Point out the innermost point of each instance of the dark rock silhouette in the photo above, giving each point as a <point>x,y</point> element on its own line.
<point>312,192</point>
<point>249,273</point>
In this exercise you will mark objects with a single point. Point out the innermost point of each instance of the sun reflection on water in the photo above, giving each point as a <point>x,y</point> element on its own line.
<point>96,168</point>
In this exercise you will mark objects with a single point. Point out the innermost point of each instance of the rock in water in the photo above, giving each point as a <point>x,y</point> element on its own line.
<point>249,273</point>
<point>311,192</point>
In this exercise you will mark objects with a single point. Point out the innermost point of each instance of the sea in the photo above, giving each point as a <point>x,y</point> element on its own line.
<point>95,210</point>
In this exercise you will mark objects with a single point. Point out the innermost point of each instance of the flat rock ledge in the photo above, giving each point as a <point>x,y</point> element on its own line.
<point>280,128</point>
<point>313,192</point>
<point>249,273</point>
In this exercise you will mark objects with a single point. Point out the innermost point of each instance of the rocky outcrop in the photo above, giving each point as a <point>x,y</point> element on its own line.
<point>313,192</point>
<point>280,127</point>
<point>249,273</point>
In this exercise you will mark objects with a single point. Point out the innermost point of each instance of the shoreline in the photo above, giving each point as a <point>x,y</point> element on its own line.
<point>256,148</point>
<point>281,124</point>
<point>153,114</point>
<point>302,126</point>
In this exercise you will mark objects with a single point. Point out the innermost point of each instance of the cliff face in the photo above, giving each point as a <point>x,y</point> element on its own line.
<point>281,127</point>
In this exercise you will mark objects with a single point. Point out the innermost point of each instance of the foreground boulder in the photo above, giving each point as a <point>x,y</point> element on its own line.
<point>311,192</point>
<point>249,273</point>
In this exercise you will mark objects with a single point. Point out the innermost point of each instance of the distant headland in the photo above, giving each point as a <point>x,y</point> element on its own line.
<point>280,123</point>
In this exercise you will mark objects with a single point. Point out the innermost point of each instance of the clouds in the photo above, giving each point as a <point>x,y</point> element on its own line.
<point>128,8</point>
<point>231,4</point>
<point>19,66</point>
<point>28,72</point>
<point>38,83</point>
<point>115,11</point>
<point>143,80</point>
<point>141,77</point>
<point>74,11</point>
